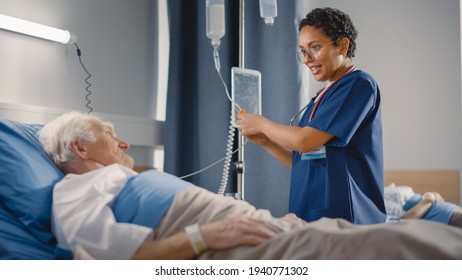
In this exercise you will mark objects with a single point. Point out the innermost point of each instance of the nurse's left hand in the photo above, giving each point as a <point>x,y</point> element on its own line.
<point>250,124</point>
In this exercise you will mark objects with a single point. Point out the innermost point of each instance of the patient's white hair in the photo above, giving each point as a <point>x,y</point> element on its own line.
<point>60,132</point>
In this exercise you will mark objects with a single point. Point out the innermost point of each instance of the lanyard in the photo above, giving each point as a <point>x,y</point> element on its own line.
<point>325,89</point>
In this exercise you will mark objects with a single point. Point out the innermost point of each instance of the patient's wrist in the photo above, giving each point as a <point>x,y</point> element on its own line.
<point>195,238</point>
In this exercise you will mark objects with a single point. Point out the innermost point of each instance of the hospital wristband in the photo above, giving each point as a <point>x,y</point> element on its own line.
<point>194,235</point>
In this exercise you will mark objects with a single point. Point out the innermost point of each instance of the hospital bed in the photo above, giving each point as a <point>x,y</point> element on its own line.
<point>27,177</point>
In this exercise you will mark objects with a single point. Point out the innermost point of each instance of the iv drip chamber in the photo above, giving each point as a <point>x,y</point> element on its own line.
<point>268,11</point>
<point>215,20</point>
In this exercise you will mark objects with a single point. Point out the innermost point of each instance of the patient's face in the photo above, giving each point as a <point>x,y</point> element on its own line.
<point>108,149</point>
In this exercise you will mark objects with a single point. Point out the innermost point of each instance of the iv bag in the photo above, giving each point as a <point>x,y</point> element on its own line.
<point>215,20</point>
<point>268,10</point>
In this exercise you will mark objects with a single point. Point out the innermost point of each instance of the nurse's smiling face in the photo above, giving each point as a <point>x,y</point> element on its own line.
<point>324,58</point>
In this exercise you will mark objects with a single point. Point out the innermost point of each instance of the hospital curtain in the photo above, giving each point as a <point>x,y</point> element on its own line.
<point>198,111</point>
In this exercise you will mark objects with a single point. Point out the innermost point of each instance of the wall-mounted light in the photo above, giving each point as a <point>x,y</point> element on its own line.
<point>36,30</point>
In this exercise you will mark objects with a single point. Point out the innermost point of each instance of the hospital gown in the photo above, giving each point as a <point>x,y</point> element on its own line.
<point>108,212</point>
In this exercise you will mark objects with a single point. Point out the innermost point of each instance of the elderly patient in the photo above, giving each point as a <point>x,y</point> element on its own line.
<point>86,149</point>
<point>111,212</point>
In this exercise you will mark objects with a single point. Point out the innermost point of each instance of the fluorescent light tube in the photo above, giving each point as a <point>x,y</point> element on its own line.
<point>36,30</point>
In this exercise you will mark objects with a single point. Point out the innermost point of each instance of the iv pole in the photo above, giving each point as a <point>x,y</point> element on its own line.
<point>240,166</point>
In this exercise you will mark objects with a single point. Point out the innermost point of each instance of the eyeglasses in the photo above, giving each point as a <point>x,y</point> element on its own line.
<point>312,53</point>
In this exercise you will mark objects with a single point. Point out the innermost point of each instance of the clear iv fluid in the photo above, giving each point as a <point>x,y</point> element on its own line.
<point>215,20</point>
<point>268,10</point>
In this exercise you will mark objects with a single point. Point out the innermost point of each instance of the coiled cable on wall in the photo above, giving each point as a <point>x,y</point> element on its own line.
<point>87,97</point>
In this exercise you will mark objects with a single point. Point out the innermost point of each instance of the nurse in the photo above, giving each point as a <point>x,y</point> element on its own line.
<point>335,152</point>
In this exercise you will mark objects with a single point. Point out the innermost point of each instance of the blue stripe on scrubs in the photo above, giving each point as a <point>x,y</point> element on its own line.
<point>348,183</point>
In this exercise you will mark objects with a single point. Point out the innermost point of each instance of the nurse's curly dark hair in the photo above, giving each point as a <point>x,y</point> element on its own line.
<point>335,24</point>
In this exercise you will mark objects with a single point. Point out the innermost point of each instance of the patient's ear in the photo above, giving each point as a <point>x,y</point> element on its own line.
<point>79,149</point>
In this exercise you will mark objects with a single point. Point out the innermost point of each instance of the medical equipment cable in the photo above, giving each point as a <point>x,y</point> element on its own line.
<point>87,97</point>
<point>229,148</point>
<point>209,166</point>
<point>230,136</point>
<point>216,58</point>
<point>229,142</point>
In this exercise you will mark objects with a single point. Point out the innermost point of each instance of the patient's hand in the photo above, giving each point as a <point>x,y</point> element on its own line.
<point>236,231</point>
<point>432,197</point>
<point>293,219</point>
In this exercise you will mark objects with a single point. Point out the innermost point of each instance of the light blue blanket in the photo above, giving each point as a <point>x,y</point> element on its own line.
<point>146,197</point>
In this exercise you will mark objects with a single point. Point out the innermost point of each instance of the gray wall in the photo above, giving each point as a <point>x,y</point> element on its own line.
<point>118,40</point>
<point>412,48</point>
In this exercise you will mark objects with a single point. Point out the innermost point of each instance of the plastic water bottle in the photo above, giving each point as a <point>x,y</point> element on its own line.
<point>215,20</point>
<point>268,11</point>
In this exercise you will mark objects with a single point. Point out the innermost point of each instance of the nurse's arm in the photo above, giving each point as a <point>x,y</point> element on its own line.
<point>280,153</point>
<point>300,139</point>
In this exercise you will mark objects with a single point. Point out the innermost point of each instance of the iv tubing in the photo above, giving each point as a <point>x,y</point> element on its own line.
<point>207,167</point>
<point>229,143</point>
<point>216,57</point>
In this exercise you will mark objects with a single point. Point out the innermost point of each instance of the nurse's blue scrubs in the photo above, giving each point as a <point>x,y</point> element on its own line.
<point>348,182</point>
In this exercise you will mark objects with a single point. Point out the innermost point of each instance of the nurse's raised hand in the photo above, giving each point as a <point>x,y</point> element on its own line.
<point>250,124</point>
